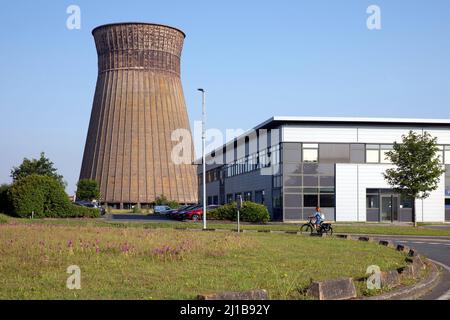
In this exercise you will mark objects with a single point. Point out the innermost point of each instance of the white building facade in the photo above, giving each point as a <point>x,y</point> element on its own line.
<point>334,163</point>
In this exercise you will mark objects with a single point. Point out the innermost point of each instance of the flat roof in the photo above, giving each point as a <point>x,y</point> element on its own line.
<point>279,120</point>
<point>355,120</point>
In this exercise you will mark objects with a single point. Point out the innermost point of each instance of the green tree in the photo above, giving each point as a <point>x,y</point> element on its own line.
<point>417,168</point>
<point>45,197</point>
<point>42,166</point>
<point>88,190</point>
<point>5,198</point>
<point>163,201</point>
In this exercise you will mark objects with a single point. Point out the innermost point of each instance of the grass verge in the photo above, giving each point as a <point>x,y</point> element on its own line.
<point>338,228</point>
<point>138,263</point>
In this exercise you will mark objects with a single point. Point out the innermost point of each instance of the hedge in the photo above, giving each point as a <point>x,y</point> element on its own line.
<point>44,196</point>
<point>250,212</point>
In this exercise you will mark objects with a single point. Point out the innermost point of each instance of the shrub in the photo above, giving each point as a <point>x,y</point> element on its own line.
<point>44,196</point>
<point>5,198</point>
<point>136,209</point>
<point>88,190</point>
<point>3,219</point>
<point>83,212</point>
<point>254,212</point>
<point>250,212</point>
<point>163,201</point>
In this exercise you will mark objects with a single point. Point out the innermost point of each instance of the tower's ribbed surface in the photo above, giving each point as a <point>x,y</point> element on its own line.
<point>138,103</point>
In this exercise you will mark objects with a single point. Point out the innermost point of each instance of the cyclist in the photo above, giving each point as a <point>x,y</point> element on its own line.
<point>318,217</point>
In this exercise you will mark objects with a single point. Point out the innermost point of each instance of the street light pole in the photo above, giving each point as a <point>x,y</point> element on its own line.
<point>203,154</point>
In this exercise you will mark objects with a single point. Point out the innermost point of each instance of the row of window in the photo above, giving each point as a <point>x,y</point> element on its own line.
<point>257,196</point>
<point>360,153</point>
<point>256,161</point>
<point>310,200</point>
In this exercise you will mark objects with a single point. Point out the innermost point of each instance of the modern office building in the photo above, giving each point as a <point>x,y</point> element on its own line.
<point>293,164</point>
<point>138,105</point>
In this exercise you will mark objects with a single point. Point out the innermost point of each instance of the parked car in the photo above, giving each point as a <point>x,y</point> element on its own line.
<point>162,209</point>
<point>171,213</point>
<point>88,204</point>
<point>195,213</point>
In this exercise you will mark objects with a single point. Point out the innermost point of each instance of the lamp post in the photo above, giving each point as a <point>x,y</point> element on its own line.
<point>203,154</point>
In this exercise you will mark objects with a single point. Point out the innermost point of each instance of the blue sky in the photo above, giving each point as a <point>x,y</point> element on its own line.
<point>256,59</point>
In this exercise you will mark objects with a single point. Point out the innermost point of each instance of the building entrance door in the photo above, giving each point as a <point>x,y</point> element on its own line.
<point>389,208</point>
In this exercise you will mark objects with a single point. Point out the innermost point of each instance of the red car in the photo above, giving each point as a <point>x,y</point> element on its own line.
<point>195,213</point>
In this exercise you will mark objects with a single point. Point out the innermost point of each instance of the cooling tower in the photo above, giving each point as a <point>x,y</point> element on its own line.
<point>138,103</point>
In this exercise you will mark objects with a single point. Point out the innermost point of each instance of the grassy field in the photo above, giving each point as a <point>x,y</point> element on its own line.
<point>338,227</point>
<point>138,263</point>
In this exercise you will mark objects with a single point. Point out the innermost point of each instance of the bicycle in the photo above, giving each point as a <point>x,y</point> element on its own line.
<point>310,227</point>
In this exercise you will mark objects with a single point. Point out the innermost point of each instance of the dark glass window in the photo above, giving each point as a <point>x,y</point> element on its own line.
<point>229,197</point>
<point>327,190</point>
<point>292,200</point>
<point>326,169</point>
<point>292,168</point>
<point>334,153</point>
<point>311,200</point>
<point>236,196</point>
<point>216,200</point>
<point>310,181</point>
<point>447,203</point>
<point>326,181</point>
<point>292,181</point>
<point>247,196</point>
<point>310,168</point>
<point>276,199</point>
<point>276,181</point>
<point>291,155</point>
<point>327,200</point>
<point>210,200</point>
<point>406,203</point>
<point>372,201</point>
<point>357,153</point>
<point>259,197</point>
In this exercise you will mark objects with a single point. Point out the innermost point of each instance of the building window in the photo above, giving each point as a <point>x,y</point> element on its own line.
<point>384,150</point>
<point>327,200</point>
<point>310,152</point>
<point>237,196</point>
<point>357,154</point>
<point>277,199</point>
<point>310,181</point>
<point>248,196</point>
<point>277,181</point>
<point>447,155</point>
<point>210,201</point>
<point>259,196</point>
<point>372,201</point>
<point>216,200</point>
<point>334,153</point>
<point>229,198</point>
<point>406,203</point>
<point>310,200</point>
<point>372,153</point>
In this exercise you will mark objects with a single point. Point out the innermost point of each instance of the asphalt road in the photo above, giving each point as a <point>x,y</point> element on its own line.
<point>436,249</point>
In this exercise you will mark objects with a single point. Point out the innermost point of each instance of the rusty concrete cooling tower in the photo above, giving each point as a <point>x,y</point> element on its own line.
<point>138,103</point>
